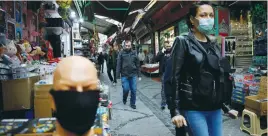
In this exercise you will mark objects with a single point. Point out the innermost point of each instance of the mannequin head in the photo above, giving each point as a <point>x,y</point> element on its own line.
<point>75,95</point>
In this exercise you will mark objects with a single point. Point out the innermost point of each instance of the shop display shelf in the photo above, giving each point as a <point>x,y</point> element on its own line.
<point>237,100</point>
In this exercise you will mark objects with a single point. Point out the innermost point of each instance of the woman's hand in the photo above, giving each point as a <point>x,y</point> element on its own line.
<point>233,113</point>
<point>179,121</point>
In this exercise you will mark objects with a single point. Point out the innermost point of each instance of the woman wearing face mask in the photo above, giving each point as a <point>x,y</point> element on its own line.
<point>199,76</point>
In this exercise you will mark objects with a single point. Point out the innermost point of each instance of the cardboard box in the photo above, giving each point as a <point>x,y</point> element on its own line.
<point>17,93</point>
<point>42,101</point>
<point>252,103</point>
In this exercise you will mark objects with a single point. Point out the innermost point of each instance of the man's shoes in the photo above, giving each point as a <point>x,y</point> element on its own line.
<point>114,84</point>
<point>124,102</point>
<point>163,106</point>
<point>133,106</point>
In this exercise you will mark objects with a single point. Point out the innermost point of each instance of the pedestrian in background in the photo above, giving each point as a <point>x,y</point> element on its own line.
<point>161,57</point>
<point>111,63</point>
<point>141,56</point>
<point>101,61</point>
<point>128,66</point>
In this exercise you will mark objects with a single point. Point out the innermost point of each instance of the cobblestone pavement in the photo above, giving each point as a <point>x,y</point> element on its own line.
<point>148,119</point>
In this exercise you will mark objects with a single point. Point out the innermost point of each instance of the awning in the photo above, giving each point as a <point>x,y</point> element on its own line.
<point>116,10</point>
<point>102,26</point>
<point>136,7</point>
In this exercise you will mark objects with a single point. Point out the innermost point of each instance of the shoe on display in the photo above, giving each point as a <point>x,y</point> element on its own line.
<point>133,106</point>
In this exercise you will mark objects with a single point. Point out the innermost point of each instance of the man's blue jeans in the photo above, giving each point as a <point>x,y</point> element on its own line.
<point>129,83</point>
<point>204,123</point>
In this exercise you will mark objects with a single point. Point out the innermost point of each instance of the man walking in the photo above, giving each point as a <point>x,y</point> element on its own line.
<point>101,61</point>
<point>161,58</point>
<point>141,57</point>
<point>128,66</point>
<point>111,64</point>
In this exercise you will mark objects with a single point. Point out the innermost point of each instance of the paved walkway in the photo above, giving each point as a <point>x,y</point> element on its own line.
<point>148,119</point>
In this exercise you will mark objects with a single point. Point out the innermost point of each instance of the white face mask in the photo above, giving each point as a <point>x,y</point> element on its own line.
<point>205,25</point>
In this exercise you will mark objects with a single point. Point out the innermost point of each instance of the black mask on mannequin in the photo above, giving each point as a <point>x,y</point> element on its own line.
<point>76,111</point>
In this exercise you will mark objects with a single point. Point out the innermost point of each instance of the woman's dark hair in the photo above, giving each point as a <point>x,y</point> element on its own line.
<point>193,11</point>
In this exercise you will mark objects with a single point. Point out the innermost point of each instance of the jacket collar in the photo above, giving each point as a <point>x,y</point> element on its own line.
<point>212,40</point>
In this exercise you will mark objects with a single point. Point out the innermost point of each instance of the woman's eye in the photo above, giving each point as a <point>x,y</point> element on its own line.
<point>202,15</point>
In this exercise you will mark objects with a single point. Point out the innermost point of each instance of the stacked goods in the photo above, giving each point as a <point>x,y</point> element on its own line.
<point>259,60</point>
<point>260,46</point>
<point>4,70</point>
<point>101,127</point>
<point>241,89</point>
<point>258,103</point>
<point>263,87</point>
<point>7,126</point>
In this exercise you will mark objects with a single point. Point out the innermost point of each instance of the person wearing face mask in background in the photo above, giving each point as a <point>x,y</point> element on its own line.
<point>161,57</point>
<point>198,76</point>
<point>128,66</point>
<point>75,96</point>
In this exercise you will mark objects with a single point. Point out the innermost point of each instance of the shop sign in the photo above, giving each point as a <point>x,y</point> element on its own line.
<point>224,21</point>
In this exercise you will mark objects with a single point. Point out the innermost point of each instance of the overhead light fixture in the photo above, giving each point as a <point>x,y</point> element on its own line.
<point>72,15</point>
<point>81,20</point>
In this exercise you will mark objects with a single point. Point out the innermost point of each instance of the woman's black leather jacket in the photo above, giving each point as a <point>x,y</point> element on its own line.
<point>188,58</point>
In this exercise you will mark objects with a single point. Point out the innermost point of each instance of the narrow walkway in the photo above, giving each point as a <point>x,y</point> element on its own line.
<point>148,119</point>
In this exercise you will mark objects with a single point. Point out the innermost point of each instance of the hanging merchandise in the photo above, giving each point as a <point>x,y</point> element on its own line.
<point>63,12</point>
<point>41,15</point>
<point>18,10</point>
<point>10,31</point>
<point>64,3</point>
<point>229,49</point>
<point>10,9</point>
<point>2,21</point>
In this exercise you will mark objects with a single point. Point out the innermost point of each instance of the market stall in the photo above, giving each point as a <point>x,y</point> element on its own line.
<point>27,64</point>
<point>47,126</point>
<point>150,68</point>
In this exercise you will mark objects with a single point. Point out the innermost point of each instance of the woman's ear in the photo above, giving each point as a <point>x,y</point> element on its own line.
<point>192,20</point>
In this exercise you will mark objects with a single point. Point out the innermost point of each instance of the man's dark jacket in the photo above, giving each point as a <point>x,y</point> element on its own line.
<point>112,60</point>
<point>161,58</point>
<point>101,59</point>
<point>128,64</point>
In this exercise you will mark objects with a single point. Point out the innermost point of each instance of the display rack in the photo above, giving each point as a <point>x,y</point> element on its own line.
<point>243,44</point>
